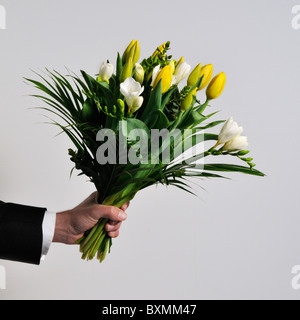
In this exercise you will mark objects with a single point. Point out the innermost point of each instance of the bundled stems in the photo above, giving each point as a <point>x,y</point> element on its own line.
<point>92,243</point>
<point>96,240</point>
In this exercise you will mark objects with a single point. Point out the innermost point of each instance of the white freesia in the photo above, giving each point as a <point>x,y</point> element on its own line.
<point>132,90</point>
<point>181,72</point>
<point>237,143</point>
<point>137,103</point>
<point>230,130</point>
<point>139,73</point>
<point>155,73</point>
<point>106,71</point>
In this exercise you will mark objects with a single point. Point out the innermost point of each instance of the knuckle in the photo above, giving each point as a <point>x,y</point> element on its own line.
<point>114,213</point>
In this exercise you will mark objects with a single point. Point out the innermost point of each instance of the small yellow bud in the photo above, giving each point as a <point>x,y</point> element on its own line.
<point>166,76</point>
<point>159,50</point>
<point>206,72</point>
<point>179,61</point>
<point>194,76</point>
<point>127,70</point>
<point>121,106</point>
<point>216,86</point>
<point>186,103</point>
<point>126,52</point>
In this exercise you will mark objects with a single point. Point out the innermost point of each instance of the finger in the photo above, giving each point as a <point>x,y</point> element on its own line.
<point>113,222</point>
<point>109,212</point>
<point>125,206</point>
<point>113,227</point>
<point>114,234</point>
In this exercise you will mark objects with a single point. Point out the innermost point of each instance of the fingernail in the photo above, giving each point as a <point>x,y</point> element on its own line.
<point>122,215</point>
<point>109,227</point>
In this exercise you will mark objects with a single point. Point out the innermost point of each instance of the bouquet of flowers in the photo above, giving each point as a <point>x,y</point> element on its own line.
<point>132,127</point>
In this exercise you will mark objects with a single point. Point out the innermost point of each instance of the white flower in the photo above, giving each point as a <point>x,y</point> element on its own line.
<point>181,72</point>
<point>230,136</point>
<point>229,131</point>
<point>237,143</point>
<point>137,103</point>
<point>106,71</point>
<point>155,73</point>
<point>139,73</point>
<point>132,90</point>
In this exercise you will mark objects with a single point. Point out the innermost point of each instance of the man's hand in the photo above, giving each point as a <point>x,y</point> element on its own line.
<point>72,224</point>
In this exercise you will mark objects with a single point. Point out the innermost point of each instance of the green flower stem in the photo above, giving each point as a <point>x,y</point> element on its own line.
<point>203,107</point>
<point>79,241</point>
<point>87,238</point>
<point>98,229</point>
<point>97,245</point>
<point>97,240</point>
<point>178,119</point>
<point>84,255</point>
<point>102,254</point>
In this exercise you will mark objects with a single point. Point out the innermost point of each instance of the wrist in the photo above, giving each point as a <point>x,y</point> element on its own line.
<point>62,233</point>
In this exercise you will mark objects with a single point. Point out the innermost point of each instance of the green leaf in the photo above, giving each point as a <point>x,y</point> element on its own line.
<point>190,120</point>
<point>211,125</point>
<point>162,121</point>
<point>43,88</point>
<point>181,185</point>
<point>167,96</point>
<point>232,168</point>
<point>211,136</point>
<point>131,124</point>
<point>149,116</point>
<point>190,173</point>
<point>72,106</point>
<point>100,88</point>
<point>77,97</point>
<point>119,66</point>
<point>90,112</point>
<point>77,143</point>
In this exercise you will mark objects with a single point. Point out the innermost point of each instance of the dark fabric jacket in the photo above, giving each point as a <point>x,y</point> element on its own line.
<point>21,234</point>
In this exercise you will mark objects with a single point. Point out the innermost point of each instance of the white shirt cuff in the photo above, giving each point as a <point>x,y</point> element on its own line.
<point>48,228</point>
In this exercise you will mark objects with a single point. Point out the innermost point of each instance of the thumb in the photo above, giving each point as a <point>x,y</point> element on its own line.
<point>109,212</point>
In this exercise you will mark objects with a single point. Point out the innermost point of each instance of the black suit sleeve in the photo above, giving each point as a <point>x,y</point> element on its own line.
<point>21,234</point>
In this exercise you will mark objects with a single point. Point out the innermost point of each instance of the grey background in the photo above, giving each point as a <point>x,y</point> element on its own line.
<point>240,238</point>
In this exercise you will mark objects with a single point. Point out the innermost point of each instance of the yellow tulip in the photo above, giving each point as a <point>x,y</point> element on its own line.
<point>159,49</point>
<point>206,72</point>
<point>127,70</point>
<point>216,86</point>
<point>186,103</point>
<point>194,76</point>
<point>134,53</point>
<point>126,52</point>
<point>172,65</point>
<point>166,76</point>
